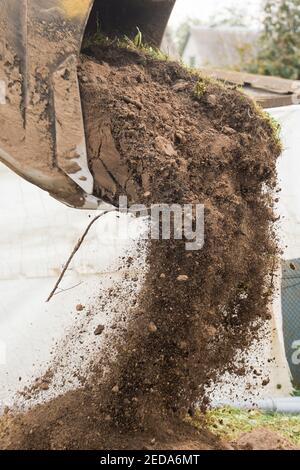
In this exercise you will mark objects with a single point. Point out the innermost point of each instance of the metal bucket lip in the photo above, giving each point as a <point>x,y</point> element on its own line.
<point>43,37</point>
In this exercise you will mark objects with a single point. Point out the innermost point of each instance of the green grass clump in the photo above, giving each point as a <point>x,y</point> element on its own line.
<point>200,88</point>
<point>137,44</point>
<point>134,44</point>
<point>296,392</point>
<point>275,126</point>
<point>264,115</point>
<point>272,123</point>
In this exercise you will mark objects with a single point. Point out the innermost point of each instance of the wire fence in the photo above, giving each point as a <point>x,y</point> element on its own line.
<point>290,299</point>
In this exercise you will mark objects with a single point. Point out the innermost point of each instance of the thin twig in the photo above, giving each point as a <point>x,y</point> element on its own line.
<point>61,291</point>
<point>76,248</point>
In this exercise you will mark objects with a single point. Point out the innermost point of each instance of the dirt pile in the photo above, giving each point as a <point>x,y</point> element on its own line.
<point>159,134</point>
<point>263,439</point>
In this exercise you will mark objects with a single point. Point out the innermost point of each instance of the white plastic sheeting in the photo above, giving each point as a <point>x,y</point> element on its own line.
<point>288,172</point>
<point>289,210</point>
<point>37,235</point>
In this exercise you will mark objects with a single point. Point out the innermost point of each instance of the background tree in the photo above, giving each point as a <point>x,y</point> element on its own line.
<point>230,17</point>
<point>279,52</point>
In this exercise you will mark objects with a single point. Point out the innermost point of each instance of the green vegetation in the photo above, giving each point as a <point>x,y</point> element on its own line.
<point>274,125</point>
<point>204,82</point>
<point>278,44</point>
<point>271,121</point>
<point>265,116</point>
<point>296,392</point>
<point>136,43</point>
<point>200,88</point>
<point>279,53</point>
<point>230,423</point>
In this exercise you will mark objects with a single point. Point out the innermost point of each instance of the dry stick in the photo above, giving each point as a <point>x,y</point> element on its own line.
<point>78,245</point>
<point>61,291</point>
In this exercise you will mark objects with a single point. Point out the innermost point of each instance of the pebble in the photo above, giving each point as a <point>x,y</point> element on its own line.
<point>182,278</point>
<point>183,345</point>
<point>211,330</point>
<point>229,130</point>
<point>44,386</point>
<point>152,328</point>
<point>212,100</point>
<point>99,330</point>
<point>180,85</point>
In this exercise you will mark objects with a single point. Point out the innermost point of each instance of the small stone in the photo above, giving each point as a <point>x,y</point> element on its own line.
<point>165,147</point>
<point>212,100</point>
<point>99,330</point>
<point>162,276</point>
<point>152,328</point>
<point>211,331</point>
<point>265,382</point>
<point>179,137</point>
<point>115,389</point>
<point>183,345</point>
<point>79,307</point>
<point>153,441</point>
<point>182,278</point>
<point>180,85</point>
<point>228,130</point>
<point>147,194</point>
<point>44,386</point>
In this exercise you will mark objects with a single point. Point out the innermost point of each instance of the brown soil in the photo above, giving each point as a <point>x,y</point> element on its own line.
<point>76,421</point>
<point>263,439</point>
<point>152,138</point>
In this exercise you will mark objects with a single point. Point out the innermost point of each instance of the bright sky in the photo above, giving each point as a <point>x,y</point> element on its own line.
<point>205,9</point>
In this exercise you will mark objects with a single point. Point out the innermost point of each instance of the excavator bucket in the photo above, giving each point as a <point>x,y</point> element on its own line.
<point>42,134</point>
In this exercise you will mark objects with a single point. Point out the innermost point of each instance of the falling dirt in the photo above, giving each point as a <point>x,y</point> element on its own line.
<point>158,134</point>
